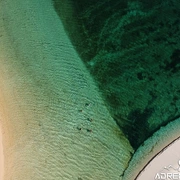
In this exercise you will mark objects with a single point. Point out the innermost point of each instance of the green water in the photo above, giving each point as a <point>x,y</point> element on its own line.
<point>132,49</point>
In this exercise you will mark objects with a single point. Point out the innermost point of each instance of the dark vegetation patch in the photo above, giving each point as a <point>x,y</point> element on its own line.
<point>136,127</point>
<point>174,64</point>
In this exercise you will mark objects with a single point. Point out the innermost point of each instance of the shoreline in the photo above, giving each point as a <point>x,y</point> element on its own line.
<point>152,147</point>
<point>166,161</point>
<point>156,155</point>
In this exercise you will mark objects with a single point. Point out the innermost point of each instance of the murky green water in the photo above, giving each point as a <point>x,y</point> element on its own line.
<point>132,49</point>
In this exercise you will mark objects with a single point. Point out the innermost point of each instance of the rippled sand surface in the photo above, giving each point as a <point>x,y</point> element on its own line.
<point>47,99</point>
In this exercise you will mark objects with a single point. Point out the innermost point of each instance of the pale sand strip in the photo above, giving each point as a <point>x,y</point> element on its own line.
<point>152,147</point>
<point>1,157</point>
<point>167,161</point>
<point>43,87</point>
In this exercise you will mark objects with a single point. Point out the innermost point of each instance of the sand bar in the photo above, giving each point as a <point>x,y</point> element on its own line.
<point>44,87</point>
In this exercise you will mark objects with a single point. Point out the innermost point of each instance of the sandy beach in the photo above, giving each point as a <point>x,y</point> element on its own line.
<point>165,163</point>
<point>1,157</point>
<point>152,147</point>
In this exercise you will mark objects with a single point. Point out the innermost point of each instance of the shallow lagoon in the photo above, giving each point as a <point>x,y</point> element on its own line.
<point>116,64</point>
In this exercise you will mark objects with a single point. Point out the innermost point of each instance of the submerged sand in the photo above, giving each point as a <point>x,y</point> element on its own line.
<point>46,100</point>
